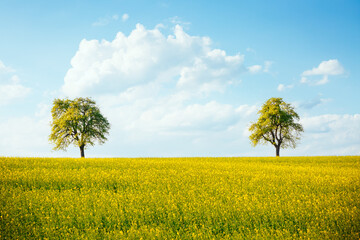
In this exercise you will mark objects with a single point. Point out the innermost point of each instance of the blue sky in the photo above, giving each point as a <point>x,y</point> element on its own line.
<point>181,78</point>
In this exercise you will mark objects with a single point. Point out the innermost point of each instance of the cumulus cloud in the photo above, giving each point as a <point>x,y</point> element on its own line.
<point>148,55</point>
<point>10,87</point>
<point>211,72</point>
<point>331,67</point>
<point>158,93</point>
<point>156,89</point>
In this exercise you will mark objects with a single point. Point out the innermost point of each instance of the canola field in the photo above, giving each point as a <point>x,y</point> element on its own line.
<point>180,198</point>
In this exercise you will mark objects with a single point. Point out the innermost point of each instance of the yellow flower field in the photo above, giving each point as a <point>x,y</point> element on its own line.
<point>180,198</point>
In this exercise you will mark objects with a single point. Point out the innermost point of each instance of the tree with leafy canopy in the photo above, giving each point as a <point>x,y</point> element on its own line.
<point>77,121</point>
<point>276,125</point>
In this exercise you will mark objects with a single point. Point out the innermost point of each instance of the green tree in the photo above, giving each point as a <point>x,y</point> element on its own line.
<point>77,121</point>
<point>276,125</point>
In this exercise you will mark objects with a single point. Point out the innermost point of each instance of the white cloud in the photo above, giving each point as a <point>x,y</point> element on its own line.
<point>212,72</point>
<point>330,134</point>
<point>259,68</point>
<point>125,17</point>
<point>10,87</point>
<point>283,87</point>
<point>43,110</point>
<point>157,92</point>
<point>211,116</point>
<point>5,69</point>
<point>10,92</point>
<point>171,126</point>
<point>149,56</point>
<point>304,80</point>
<point>267,66</point>
<point>250,50</point>
<point>323,81</point>
<point>331,67</point>
<point>142,109</point>
<point>255,68</point>
<point>25,136</point>
<point>177,21</point>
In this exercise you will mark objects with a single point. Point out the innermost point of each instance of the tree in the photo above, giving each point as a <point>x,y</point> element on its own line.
<point>276,125</point>
<point>77,121</point>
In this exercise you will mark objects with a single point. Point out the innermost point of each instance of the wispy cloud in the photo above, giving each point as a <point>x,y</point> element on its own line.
<point>309,104</point>
<point>106,20</point>
<point>10,86</point>
<point>331,133</point>
<point>5,69</point>
<point>283,87</point>
<point>255,68</point>
<point>250,50</point>
<point>265,68</point>
<point>125,17</point>
<point>178,21</point>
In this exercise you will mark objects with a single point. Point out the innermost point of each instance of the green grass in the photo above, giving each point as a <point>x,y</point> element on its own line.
<point>180,198</point>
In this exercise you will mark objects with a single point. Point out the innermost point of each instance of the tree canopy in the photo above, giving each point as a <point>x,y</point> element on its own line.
<point>77,121</point>
<point>276,125</point>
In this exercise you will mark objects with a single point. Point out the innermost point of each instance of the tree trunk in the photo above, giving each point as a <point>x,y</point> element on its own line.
<point>277,150</point>
<point>82,153</point>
